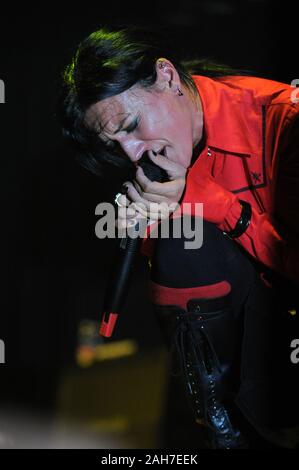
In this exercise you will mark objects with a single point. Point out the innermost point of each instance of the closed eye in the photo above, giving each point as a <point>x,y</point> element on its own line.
<point>114,145</point>
<point>131,127</point>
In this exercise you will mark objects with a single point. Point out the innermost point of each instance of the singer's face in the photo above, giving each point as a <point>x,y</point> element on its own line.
<point>155,119</point>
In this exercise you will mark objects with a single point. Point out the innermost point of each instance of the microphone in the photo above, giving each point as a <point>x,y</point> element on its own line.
<point>119,282</point>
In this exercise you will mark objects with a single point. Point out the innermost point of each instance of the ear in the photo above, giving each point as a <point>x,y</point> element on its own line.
<point>167,76</point>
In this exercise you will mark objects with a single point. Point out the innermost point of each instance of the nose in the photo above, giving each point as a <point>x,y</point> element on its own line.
<point>133,148</point>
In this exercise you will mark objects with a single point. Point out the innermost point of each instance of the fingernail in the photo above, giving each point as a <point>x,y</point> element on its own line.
<point>124,189</point>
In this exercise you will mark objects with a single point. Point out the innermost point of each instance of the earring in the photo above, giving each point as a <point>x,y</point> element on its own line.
<point>180,93</point>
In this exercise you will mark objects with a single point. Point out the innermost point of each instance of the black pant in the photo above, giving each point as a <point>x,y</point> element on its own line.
<point>268,391</point>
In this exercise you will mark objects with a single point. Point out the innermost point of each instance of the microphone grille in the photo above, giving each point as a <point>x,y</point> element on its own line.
<point>152,171</point>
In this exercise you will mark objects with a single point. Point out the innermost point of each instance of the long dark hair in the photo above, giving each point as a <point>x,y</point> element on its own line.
<point>106,63</point>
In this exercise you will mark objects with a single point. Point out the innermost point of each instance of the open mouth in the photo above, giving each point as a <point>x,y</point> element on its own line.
<point>145,158</point>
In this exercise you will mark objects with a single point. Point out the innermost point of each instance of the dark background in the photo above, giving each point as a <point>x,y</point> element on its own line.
<point>54,269</point>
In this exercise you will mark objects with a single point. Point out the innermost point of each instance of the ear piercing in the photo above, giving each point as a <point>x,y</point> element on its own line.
<point>162,66</point>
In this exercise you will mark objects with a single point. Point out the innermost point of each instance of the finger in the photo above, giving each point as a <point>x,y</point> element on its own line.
<point>123,200</point>
<point>146,185</point>
<point>157,192</point>
<point>134,196</point>
<point>126,212</point>
<point>123,223</point>
<point>155,197</point>
<point>173,169</point>
<point>140,208</point>
<point>147,207</point>
<point>137,186</point>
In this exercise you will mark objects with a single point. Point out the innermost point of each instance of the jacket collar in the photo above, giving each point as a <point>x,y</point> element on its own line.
<point>232,116</point>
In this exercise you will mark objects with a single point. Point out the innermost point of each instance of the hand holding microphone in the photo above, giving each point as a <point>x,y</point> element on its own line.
<point>149,196</point>
<point>129,247</point>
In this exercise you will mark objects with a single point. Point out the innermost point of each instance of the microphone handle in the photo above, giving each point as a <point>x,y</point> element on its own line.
<point>121,276</point>
<point>119,284</point>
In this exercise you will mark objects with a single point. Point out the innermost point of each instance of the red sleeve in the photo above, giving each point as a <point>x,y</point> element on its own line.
<point>264,242</point>
<point>274,239</point>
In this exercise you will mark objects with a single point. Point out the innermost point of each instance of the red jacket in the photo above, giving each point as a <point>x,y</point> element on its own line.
<point>252,149</point>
